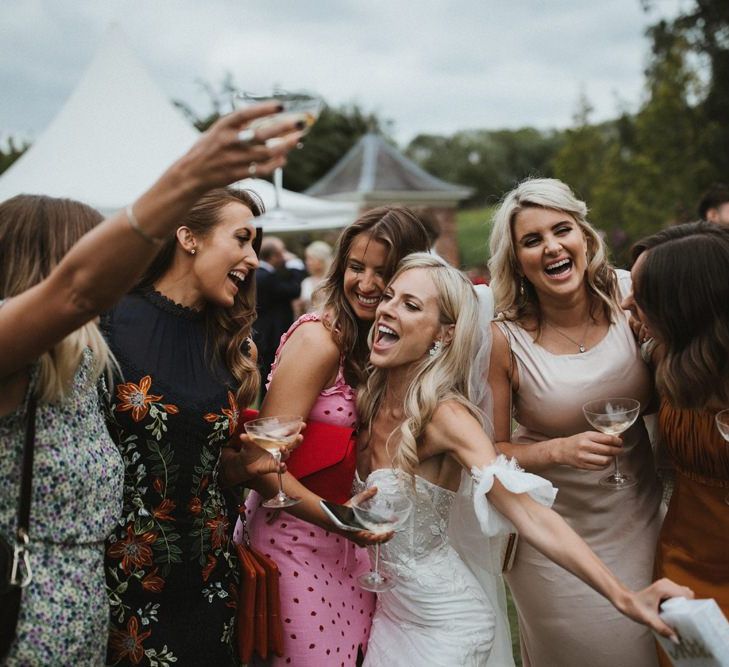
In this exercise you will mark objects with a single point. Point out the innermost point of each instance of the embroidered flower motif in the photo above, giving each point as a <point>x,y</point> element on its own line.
<point>218,531</point>
<point>134,397</point>
<point>162,511</point>
<point>208,569</point>
<point>230,414</point>
<point>133,550</point>
<point>129,642</point>
<point>152,582</point>
<point>159,486</point>
<point>195,506</point>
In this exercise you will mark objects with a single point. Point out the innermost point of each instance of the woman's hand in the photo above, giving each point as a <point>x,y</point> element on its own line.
<point>364,538</point>
<point>644,605</point>
<point>242,459</point>
<point>227,152</point>
<point>590,450</point>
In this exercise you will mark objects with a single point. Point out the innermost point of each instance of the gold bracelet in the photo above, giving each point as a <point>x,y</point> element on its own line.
<point>134,224</point>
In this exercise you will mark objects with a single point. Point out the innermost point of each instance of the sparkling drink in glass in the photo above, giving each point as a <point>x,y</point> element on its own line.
<point>613,416</point>
<point>272,433</point>
<point>299,106</point>
<point>380,514</point>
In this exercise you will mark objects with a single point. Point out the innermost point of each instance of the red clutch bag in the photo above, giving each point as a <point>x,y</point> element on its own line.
<point>324,462</point>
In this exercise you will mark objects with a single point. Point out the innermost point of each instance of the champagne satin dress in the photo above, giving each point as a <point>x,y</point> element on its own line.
<point>693,548</point>
<point>563,622</point>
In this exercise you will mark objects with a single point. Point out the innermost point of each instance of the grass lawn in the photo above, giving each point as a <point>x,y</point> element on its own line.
<point>473,229</point>
<point>514,624</point>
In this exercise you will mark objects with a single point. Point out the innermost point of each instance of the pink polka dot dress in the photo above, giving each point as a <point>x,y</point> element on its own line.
<point>326,615</point>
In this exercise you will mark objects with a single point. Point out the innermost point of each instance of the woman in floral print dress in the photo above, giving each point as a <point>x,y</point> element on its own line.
<point>59,268</point>
<point>181,340</point>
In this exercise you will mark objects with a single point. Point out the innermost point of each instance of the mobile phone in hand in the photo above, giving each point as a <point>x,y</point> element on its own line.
<point>341,516</point>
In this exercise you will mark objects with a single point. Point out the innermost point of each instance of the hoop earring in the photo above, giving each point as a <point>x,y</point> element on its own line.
<point>436,348</point>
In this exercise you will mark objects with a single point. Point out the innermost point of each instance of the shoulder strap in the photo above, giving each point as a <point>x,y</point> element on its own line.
<point>26,483</point>
<point>508,334</point>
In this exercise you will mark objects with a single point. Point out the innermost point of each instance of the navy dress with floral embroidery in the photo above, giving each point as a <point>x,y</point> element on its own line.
<point>170,567</point>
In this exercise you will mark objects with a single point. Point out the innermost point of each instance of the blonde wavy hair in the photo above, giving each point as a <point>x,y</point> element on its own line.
<point>549,193</point>
<point>35,233</point>
<point>441,377</point>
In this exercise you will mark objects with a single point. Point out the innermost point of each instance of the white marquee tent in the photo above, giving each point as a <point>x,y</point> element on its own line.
<point>116,134</point>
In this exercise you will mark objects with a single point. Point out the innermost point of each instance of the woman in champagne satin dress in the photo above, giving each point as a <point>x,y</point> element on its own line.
<point>563,340</point>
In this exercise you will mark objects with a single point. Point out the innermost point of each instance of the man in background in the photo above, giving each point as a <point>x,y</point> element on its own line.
<point>278,283</point>
<point>714,205</point>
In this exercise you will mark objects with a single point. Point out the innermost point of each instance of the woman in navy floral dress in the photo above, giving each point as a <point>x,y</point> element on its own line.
<point>181,340</point>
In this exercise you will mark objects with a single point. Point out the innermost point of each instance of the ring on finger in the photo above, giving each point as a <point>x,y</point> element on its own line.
<point>252,169</point>
<point>247,136</point>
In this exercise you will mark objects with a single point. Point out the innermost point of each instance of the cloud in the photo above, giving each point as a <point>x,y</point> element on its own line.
<point>430,66</point>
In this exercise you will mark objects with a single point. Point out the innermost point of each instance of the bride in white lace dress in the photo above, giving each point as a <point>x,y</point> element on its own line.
<point>420,432</point>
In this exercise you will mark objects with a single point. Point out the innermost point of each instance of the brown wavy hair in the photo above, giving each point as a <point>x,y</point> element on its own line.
<point>228,330</point>
<point>35,233</point>
<point>683,289</point>
<point>402,232</point>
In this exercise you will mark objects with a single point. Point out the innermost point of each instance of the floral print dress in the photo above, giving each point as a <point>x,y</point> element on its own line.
<point>76,501</point>
<point>171,571</point>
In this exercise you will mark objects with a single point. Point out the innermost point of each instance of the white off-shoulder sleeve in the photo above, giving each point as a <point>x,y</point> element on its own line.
<point>514,479</point>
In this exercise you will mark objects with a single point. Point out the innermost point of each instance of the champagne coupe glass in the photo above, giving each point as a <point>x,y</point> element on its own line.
<point>722,423</point>
<point>380,514</point>
<point>272,433</point>
<point>297,105</point>
<point>613,416</point>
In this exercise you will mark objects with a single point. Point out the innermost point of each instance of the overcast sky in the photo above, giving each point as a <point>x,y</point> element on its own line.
<point>429,66</point>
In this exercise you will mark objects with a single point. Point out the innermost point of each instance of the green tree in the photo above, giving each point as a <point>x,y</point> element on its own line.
<point>489,162</point>
<point>11,153</point>
<point>336,131</point>
<point>580,160</point>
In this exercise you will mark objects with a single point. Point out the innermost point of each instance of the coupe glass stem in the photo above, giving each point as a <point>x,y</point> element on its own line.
<point>277,457</point>
<point>277,186</point>
<point>618,474</point>
<point>377,562</point>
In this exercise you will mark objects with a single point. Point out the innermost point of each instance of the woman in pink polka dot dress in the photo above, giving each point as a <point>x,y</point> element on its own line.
<point>326,615</point>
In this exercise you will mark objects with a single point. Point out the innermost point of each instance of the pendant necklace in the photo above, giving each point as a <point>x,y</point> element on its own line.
<point>580,346</point>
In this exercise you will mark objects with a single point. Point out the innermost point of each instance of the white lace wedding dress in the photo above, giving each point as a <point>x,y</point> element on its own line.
<point>444,612</point>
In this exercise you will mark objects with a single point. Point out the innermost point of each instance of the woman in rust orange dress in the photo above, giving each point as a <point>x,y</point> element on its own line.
<point>681,296</point>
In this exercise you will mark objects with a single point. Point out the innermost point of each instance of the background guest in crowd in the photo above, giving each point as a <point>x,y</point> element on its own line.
<point>714,204</point>
<point>562,340</point>
<point>56,275</point>
<point>318,259</point>
<point>681,296</point>
<point>278,284</point>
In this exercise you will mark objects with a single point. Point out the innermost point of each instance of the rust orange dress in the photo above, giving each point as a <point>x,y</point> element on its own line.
<point>693,547</point>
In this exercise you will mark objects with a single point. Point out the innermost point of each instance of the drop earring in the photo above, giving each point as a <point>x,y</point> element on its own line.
<point>521,286</point>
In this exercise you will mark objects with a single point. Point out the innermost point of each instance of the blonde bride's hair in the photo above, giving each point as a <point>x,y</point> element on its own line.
<point>438,378</point>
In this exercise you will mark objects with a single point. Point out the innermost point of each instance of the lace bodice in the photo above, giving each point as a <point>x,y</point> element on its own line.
<point>441,612</point>
<point>424,535</point>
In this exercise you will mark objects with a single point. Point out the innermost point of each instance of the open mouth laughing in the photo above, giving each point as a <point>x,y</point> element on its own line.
<point>368,301</point>
<point>236,277</point>
<point>385,337</point>
<point>559,268</point>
